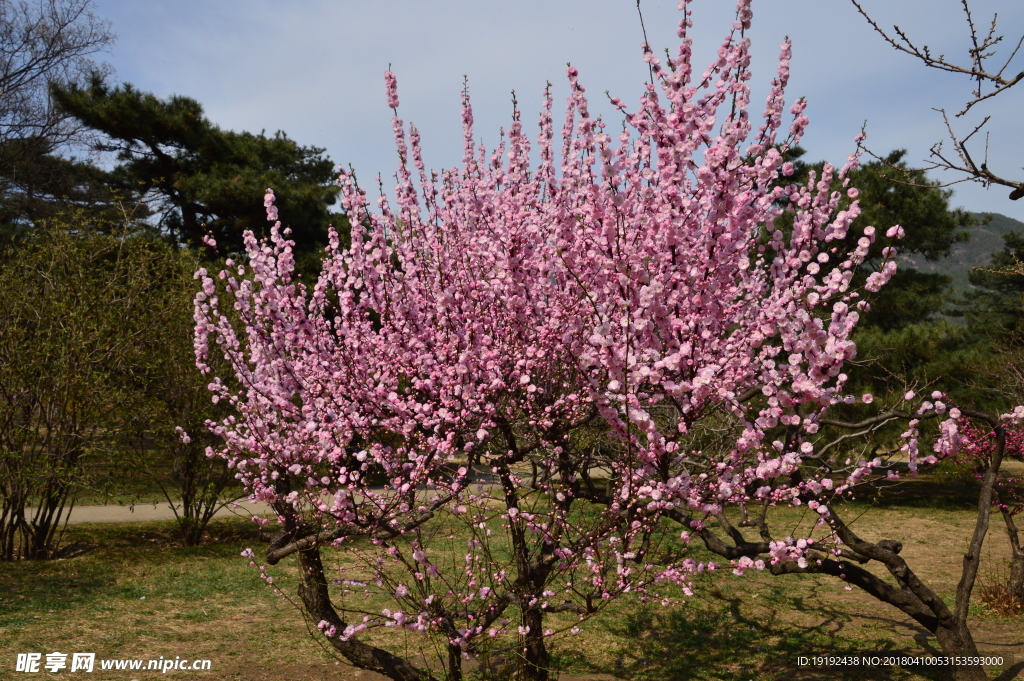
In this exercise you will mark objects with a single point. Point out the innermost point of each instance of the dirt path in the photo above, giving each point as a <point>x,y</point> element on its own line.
<point>113,513</point>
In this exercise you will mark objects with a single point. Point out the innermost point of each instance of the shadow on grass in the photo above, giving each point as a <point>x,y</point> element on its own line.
<point>1014,672</point>
<point>931,490</point>
<point>926,492</point>
<point>723,638</point>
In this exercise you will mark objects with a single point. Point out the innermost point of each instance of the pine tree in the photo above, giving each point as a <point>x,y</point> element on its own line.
<point>201,178</point>
<point>890,193</point>
<point>994,308</point>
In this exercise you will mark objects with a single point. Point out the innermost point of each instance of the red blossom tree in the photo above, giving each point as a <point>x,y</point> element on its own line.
<point>477,422</point>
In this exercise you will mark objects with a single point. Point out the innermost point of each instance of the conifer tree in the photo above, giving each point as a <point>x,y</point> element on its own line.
<point>199,177</point>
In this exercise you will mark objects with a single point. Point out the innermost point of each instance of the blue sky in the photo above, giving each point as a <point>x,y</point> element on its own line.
<point>314,68</point>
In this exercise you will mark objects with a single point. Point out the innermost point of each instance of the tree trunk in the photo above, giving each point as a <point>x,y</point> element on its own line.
<point>454,663</point>
<point>534,662</point>
<point>1015,585</point>
<point>956,642</point>
<point>316,600</point>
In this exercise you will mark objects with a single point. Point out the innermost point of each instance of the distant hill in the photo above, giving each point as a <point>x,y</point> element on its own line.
<point>985,240</point>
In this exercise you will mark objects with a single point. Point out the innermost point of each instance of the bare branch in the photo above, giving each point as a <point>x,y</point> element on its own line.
<point>978,53</point>
<point>43,43</point>
<point>980,50</point>
<point>285,546</point>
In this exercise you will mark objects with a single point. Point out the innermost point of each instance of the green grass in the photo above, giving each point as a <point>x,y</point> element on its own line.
<point>131,591</point>
<point>127,561</point>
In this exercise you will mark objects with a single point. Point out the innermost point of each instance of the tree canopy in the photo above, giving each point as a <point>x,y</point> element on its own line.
<point>198,177</point>
<point>995,305</point>
<point>42,43</point>
<point>634,302</point>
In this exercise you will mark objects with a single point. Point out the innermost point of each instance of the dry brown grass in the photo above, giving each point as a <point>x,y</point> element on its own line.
<point>136,594</point>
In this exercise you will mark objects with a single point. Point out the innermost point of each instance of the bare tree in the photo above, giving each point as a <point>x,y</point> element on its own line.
<point>989,82</point>
<point>41,42</point>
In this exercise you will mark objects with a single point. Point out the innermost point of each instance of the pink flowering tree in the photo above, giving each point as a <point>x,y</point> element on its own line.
<point>477,424</point>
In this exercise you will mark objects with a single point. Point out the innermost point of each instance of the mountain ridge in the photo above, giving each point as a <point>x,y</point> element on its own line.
<point>986,240</point>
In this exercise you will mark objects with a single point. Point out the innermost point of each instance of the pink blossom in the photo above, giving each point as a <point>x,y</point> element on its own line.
<point>392,88</point>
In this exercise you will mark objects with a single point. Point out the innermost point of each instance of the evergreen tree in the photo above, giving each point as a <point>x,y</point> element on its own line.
<point>38,185</point>
<point>891,193</point>
<point>200,178</point>
<point>995,308</point>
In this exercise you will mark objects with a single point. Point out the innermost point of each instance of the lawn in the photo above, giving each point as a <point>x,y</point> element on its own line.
<point>130,591</point>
